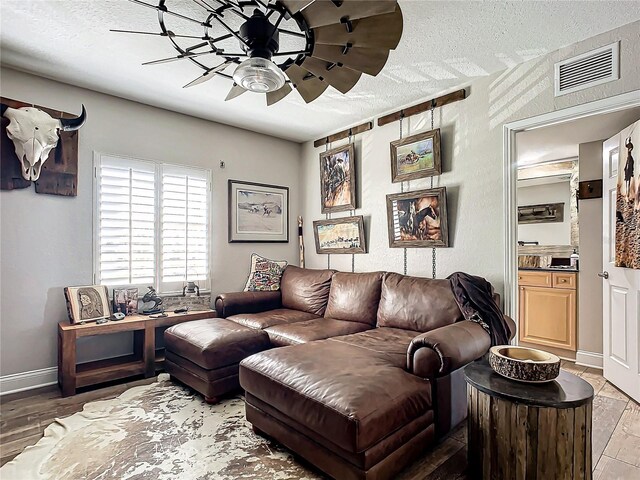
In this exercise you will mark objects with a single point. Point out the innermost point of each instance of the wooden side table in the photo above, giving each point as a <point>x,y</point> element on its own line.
<point>145,360</point>
<point>528,431</point>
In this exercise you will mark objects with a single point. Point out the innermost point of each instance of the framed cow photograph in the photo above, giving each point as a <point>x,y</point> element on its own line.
<point>417,156</point>
<point>258,212</point>
<point>338,179</point>
<point>340,235</point>
<point>418,219</point>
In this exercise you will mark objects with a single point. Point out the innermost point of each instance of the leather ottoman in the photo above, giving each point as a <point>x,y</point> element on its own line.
<point>205,354</point>
<point>348,410</point>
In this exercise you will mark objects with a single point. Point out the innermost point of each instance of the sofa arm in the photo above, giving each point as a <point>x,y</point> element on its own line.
<point>228,304</point>
<point>441,351</point>
<point>511,325</point>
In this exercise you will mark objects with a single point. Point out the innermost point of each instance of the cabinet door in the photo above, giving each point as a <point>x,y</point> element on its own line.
<point>548,317</point>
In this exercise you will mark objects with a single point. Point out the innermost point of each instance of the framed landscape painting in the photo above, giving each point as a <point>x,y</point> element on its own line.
<point>417,156</point>
<point>338,179</point>
<point>258,212</point>
<point>418,219</point>
<point>340,235</point>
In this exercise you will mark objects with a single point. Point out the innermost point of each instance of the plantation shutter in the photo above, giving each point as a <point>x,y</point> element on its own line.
<point>184,236</point>
<point>126,223</point>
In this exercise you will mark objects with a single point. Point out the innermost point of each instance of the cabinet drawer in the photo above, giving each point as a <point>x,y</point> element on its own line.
<point>564,280</point>
<point>534,279</point>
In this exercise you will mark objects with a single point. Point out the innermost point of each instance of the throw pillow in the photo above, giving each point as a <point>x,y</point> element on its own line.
<point>265,274</point>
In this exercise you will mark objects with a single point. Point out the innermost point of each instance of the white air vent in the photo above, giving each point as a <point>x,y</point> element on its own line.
<point>587,70</point>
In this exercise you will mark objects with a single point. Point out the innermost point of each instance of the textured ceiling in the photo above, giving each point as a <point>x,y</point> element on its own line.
<point>557,142</point>
<point>444,44</point>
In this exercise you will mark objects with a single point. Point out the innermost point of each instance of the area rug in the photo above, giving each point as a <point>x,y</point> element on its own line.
<point>158,431</point>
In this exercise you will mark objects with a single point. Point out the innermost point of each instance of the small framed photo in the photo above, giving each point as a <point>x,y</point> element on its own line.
<point>258,213</point>
<point>340,235</point>
<point>338,179</point>
<point>125,300</point>
<point>418,219</point>
<point>417,156</point>
<point>87,303</point>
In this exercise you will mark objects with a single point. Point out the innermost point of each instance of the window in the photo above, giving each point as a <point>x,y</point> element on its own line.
<point>152,224</point>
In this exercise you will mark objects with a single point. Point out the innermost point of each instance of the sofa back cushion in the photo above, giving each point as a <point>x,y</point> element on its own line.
<point>305,289</point>
<point>414,303</point>
<point>354,297</point>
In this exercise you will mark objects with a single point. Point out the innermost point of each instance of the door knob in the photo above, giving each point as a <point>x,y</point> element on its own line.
<point>604,275</point>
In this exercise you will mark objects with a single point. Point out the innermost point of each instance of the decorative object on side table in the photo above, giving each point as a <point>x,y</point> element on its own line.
<point>258,212</point>
<point>301,242</point>
<point>54,167</point>
<point>151,297</point>
<point>87,303</point>
<point>524,364</point>
<point>340,235</point>
<point>417,156</point>
<point>191,289</point>
<point>418,219</point>
<point>265,274</point>
<point>537,431</point>
<point>338,179</point>
<point>125,300</point>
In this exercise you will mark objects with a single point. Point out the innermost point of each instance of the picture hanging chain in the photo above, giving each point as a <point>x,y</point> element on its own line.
<point>326,215</point>
<point>404,250</point>
<point>433,250</point>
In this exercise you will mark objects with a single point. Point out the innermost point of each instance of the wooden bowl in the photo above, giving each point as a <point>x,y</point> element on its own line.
<point>524,364</point>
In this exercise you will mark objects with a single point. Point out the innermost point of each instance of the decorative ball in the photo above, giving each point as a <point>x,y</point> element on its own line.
<point>524,364</point>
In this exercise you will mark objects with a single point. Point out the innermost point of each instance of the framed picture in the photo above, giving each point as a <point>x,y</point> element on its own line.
<point>547,213</point>
<point>418,219</point>
<point>340,235</point>
<point>417,156</point>
<point>258,212</point>
<point>125,300</point>
<point>338,179</point>
<point>87,303</point>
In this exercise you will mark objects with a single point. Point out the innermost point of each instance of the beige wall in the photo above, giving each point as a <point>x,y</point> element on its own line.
<point>472,144</point>
<point>553,233</point>
<point>46,240</point>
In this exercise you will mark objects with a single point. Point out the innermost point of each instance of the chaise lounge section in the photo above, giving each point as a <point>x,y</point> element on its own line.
<point>359,373</point>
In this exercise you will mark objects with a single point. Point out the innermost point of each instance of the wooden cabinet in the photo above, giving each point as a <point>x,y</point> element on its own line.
<point>548,309</point>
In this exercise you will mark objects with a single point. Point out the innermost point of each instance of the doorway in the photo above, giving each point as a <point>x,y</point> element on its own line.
<point>603,118</point>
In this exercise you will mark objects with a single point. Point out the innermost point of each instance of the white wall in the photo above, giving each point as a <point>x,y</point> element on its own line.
<point>590,224</point>
<point>46,240</point>
<point>472,152</point>
<point>557,233</point>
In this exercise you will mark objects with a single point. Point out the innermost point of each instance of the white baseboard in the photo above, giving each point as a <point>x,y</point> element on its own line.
<point>19,382</point>
<point>589,359</point>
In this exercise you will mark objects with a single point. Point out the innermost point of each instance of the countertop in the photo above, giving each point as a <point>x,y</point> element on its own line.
<point>549,269</point>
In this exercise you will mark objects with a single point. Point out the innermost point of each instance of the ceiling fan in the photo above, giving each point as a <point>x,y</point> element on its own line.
<point>328,42</point>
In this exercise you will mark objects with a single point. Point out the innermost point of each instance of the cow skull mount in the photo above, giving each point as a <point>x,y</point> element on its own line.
<point>34,134</point>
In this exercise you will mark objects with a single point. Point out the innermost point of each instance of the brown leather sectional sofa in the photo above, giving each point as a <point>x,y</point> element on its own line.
<point>370,376</point>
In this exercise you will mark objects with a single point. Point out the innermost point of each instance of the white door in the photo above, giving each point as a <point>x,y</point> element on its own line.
<point>620,286</point>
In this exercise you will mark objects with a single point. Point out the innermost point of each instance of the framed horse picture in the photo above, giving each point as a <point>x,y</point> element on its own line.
<point>338,179</point>
<point>417,156</point>
<point>258,212</point>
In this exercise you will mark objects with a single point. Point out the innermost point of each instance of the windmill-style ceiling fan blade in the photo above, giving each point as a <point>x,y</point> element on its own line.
<point>208,75</point>
<point>157,34</point>
<point>179,57</point>
<point>275,97</point>
<point>342,79</point>
<point>380,31</point>
<point>326,12</point>
<point>309,86</point>
<point>367,60</point>
<point>235,91</point>
<point>294,6</point>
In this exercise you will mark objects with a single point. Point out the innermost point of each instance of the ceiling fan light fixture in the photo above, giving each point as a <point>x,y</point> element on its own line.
<point>259,75</point>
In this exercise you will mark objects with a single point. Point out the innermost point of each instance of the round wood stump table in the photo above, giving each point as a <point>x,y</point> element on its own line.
<point>525,431</point>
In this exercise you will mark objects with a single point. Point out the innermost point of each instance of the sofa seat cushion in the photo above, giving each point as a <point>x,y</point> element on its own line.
<point>306,289</point>
<point>310,330</point>
<point>354,297</point>
<point>279,316</point>
<point>214,343</point>
<point>391,342</point>
<point>353,397</point>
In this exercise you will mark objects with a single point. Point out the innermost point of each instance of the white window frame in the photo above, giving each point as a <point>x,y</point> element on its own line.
<point>158,168</point>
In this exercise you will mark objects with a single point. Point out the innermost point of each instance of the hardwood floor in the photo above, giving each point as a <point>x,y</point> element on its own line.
<point>616,429</point>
